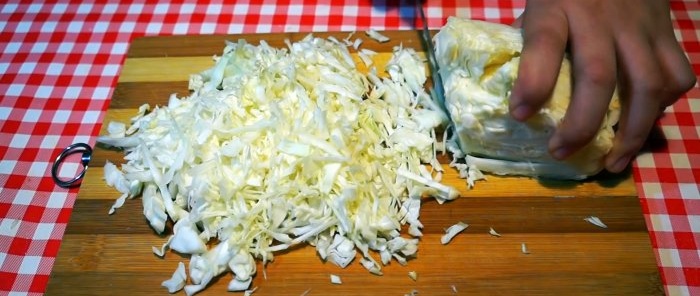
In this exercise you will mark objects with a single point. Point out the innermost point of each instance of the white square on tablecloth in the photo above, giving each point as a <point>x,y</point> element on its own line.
<point>38,169</point>
<point>694,103</point>
<point>291,28</point>
<point>49,142</point>
<point>694,14</point>
<point>35,8</point>
<point>29,265</point>
<point>67,47</point>
<point>119,48</point>
<point>19,141</point>
<point>72,92</point>
<point>187,8</point>
<point>677,290</point>
<point>295,9</point>
<point>680,160</point>
<point>267,9</point>
<point>492,13</point>
<point>82,69</point>
<point>433,12</point>
<point>350,10</point>
<point>92,47</point>
<point>214,9</point>
<point>110,70</point>
<point>263,28</point>
<point>5,113</point>
<point>23,197</point>
<point>154,28</point>
<point>101,93</point>
<point>55,69</point>
<point>44,91</point>
<point>669,258</point>
<point>135,8</point>
<point>84,8</point>
<point>661,222</point>
<point>40,47</point>
<point>127,27</point>
<point>672,132</point>
<point>91,117</point>
<point>645,160</point>
<point>12,47</point>
<point>100,27</point>
<point>181,28</point>
<point>43,231</point>
<point>23,27</point>
<point>9,8</point>
<point>27,68</point>
<point>61,116</point>
<point>240,9</point>
<point>320,27</point>
<point>694,222</point>
<point>8,227</point>
<point>48,27</point>
<point>32,115</point>
<point>207,28</point>
<point>323,9</point>
<point>68,170</point>
<point>7,166</point>
<point>110,8</point>
<point>689,191</point>
<point>161,8</point>
<point>57,200</point>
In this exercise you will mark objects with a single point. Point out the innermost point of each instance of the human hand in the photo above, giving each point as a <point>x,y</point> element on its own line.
<point>628,44</point>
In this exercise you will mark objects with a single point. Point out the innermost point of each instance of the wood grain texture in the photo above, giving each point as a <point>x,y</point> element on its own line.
<point>111,254</point>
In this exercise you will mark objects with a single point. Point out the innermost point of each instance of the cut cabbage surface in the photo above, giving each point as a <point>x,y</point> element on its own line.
<point>479,63</point>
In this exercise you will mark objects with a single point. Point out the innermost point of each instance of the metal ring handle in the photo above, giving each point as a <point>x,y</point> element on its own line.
<point>84,159</point>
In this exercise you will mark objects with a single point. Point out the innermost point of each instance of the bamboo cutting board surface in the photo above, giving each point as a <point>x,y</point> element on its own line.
<point>111,255</point>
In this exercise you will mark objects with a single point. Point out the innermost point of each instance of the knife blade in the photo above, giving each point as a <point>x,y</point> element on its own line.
<point>438,91</point>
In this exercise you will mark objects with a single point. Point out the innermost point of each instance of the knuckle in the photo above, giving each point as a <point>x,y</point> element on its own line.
<point>651,85</point>
<point>685,82</point>
<point>599,73</point>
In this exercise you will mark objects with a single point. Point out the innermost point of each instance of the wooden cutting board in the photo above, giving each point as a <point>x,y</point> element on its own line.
<point>111,255</point>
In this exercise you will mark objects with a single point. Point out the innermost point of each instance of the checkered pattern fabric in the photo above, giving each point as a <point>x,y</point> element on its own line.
<point>59,64</point>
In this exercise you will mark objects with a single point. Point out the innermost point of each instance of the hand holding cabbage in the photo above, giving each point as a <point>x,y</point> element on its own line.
<point>625,44</point>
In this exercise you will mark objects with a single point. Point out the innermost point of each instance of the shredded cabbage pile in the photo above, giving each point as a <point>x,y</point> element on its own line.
<point>277,147</point>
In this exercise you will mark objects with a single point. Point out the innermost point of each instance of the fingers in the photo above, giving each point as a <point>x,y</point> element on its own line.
<point>594,80</point>
<point>655,74</point>
<point>612,43</point>
<point>545,36</point>
<point>641,88</point>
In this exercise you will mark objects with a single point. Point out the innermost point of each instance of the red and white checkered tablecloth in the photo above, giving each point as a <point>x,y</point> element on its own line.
<point>59,64</point>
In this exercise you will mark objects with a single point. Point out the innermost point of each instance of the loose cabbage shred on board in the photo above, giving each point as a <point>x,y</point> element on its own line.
<point>278,147</point>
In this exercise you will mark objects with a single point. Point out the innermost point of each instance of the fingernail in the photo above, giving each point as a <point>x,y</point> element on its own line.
<point>521,112</point>
<point>620,164</point>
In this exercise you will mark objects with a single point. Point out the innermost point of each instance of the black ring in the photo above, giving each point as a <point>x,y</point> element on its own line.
<point>84,159</point>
